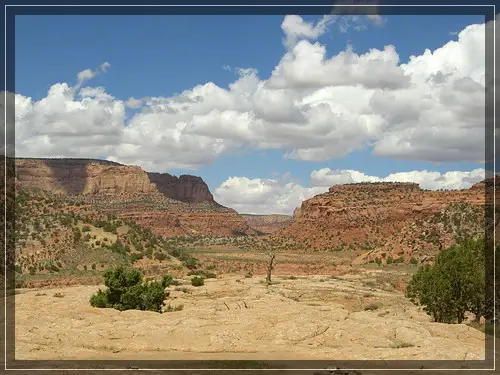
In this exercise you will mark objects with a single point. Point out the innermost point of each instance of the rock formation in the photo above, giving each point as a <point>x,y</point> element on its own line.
<point>185,188</point>
<point>167,204</point>
<point>98,177</point>
<point>394,219</point>
<point>267,223</point>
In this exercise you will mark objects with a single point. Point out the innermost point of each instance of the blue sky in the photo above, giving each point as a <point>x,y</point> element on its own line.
<point>161,56</point>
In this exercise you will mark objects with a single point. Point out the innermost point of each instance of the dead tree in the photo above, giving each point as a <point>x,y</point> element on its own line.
<point>270,267</point>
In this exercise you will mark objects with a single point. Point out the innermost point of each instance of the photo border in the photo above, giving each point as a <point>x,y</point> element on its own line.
<point>8,315</point>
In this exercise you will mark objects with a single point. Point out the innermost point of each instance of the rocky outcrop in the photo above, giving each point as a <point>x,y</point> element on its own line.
<point>267,223</point>
<point>397,219</point>
<point>185,188</point>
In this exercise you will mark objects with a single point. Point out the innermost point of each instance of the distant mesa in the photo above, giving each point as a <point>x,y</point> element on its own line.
<point>102,177</point>
<point>168,205</point>
<point>266,224</point>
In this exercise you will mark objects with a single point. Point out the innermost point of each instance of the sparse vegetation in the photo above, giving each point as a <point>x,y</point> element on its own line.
<point>202,273</point>
<point>170,308</point>
<point>402,345</point>
<point>72,242</point>
<point>197,281</point>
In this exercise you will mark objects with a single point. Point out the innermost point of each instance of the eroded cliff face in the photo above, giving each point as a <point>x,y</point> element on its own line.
<point>267,223</point>
<point>167,204</point>
<point>185,188</point>
<point>394,219</point>
<point>93,177</point>
<point>82,177</point>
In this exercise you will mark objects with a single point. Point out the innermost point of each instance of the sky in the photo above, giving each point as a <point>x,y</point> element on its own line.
<point>268,110</point>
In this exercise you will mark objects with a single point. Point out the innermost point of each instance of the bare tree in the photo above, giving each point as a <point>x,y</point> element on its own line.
<point>270,268</point>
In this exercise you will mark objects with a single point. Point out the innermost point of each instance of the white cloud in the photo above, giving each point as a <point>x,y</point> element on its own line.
<point>295,28</point>
<point>263,196</point>
<point>88,74</point>
<point>134,103</point>
<point>426,179</point>
<point>306,67</point>
<point>282,196</point>
<point>313,107</point>
<point>66,124</point>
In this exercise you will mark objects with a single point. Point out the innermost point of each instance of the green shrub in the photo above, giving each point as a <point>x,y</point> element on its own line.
<point>167,281</point>
<point>160,256</point>
<point>390,259</point>
<point>454,285</point>
<point>135,257</point>
<point>413,260</point>
<point>127,291</point>
<point>100,299</point>
<point>197,281</point>
<point>190,262</point>
<point>204,274</point>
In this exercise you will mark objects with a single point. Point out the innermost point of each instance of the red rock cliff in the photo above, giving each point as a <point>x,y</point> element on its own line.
<point>96,177</point>
<point>384,217</point>
<point>167,204</point>
<point>185,188</point>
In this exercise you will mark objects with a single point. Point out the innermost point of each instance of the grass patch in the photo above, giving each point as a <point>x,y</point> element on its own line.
<point>401,345</point>
<point>171,308</point>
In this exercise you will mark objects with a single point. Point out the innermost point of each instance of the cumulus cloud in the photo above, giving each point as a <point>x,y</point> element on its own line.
<point>263,196</point>
<point>69,122</point>
<point>282,196</point>
<point>312,107</point>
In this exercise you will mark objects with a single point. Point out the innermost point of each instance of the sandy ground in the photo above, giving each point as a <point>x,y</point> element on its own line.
<point>235,318</point>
